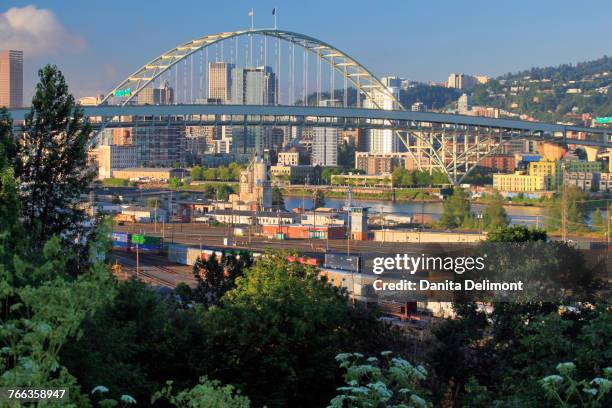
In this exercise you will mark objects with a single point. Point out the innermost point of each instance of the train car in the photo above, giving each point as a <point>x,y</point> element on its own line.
<point>121,240</point>
<point>342,261</point>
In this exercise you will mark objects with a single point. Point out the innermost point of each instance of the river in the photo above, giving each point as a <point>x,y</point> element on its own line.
<point>530,216</point>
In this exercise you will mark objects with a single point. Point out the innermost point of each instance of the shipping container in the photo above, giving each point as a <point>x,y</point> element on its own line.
<point>280,235</point>
<point>193,254</point>
<point>240,232</point>
<point>343,262</point>
<point>177,253</point>
<point>120,237</point>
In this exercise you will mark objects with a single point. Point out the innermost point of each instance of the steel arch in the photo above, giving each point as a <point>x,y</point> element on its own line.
<point>349,67</point>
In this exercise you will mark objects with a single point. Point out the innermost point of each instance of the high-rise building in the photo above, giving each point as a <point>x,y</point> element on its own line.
<point>464,104</point>
<point>461,81</point>
<point>220,81</point>
<point>252,86</point>
<point>325,141</point>
<point>112,158</point>
<point>11,78</point>
<point>164,95</point>
<point>161,146</point>
<point>383,140</point>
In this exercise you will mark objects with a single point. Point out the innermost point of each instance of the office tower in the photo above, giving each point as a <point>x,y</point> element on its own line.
<point>11,78</point>
<point>325,141</point>
<point>162,145</point>
<point>252,86</point>
<point>164,95</point>
<point>461,81</point>
<point>220,81</point>
<point>464,104</point>
<point>383,140</point>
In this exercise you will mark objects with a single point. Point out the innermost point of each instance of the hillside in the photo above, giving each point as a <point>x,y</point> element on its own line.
<point>563,93</point>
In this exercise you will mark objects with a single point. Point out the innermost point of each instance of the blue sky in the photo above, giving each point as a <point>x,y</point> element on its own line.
<point>97,43</point>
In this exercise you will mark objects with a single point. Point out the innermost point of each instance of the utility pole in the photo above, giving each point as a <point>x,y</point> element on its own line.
<point>564,204</point>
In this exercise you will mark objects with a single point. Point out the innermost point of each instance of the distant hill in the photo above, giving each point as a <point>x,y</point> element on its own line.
<point>565,72</point>
<point>561,93</point>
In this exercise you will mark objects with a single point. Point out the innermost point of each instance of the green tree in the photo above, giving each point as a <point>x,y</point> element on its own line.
<point>52,168</point>
<point>174,183</point>
<point>495,215</point>
<point>380,382</point>
<point>282,319</point>
<point>217,276</point>
<point>567,391</point>
<point>457,211</point>
<point>224,174</point>
<point>574,202</point>
<point>327,173</point>
<point>197,173</point>
<point>210,191</point>
<point>224,191</point>
<point>117,342</point>
<point>277,197</point>
<point>208,393</point>
<point>598,222</point>
<point>318,199</point>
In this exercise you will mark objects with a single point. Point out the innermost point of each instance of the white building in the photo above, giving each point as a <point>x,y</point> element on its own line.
<point>325,141</point>
<point>110,158</point>
<point>383,140</point>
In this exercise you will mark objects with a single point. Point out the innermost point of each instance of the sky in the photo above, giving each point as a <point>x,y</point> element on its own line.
<point>97,43</point>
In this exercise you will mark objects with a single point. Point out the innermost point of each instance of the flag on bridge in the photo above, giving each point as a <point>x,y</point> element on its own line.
<point>250,12</point>
<point>274,11</point>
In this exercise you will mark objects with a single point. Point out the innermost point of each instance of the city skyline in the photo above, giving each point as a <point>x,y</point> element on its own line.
<point>96,48</point>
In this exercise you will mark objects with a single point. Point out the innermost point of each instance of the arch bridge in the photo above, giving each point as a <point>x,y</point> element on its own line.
<point>453,144</point>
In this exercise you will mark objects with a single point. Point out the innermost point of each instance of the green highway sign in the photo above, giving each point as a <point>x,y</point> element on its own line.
<point>123,92</point>
<point>607,119</point>
<point>138,239</point>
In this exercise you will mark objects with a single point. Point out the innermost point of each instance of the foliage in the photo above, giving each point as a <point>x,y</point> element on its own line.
<point>434,97</point>
<point>135,342</point>
<point>346,155</point>
<point>457,211</point>
<point>542,92</point>
<point>318,199</point>
<point>575,210</point>
<point>175,183</point>
<point>598,222</point>
<point>517,233</point>
<point>328,172</point>
<point>411,178</point>
<point>283,320</point>
<point>374,382</point>
<point>208,393</point>
<point>567,391</point>
<point>495,215</point>
<point>223,192</point>
<point>277,197</point>
<point>222,173</point>
<point>216,276</point>
<point>52,169</point>
<point>115,182</point>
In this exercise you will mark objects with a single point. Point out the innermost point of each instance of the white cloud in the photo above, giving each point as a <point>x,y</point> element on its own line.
<point>36,32</point>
